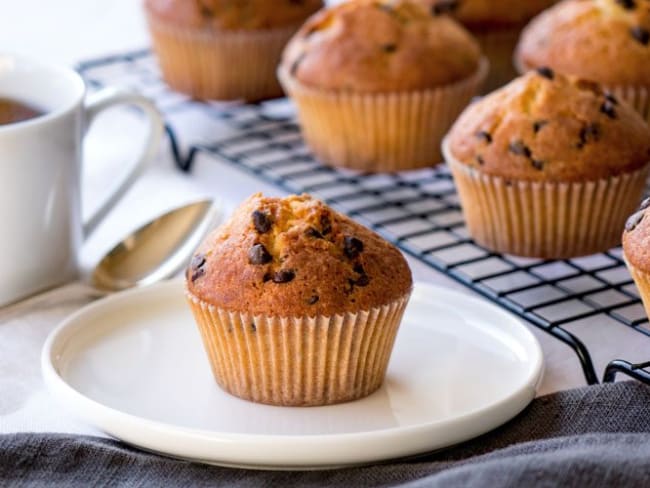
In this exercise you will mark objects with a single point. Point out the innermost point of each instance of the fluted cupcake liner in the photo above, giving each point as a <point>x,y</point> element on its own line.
<point>637,96</point>
<point>380,132</point>
<point>220,65</point>
<point>299,361</point>
<point>551,220</point>
<point>498,46</point>
<point>642,282</point>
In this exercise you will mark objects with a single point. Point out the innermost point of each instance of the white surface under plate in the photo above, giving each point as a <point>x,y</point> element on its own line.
<point>133,365</point>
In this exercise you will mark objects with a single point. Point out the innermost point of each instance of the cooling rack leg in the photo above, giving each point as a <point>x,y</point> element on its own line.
<point>583,354</point>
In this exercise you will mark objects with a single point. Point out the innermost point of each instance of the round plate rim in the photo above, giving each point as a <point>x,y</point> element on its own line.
<point>100,415</point>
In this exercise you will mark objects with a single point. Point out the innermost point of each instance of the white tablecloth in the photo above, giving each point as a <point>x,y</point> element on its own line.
<point>73,29</point>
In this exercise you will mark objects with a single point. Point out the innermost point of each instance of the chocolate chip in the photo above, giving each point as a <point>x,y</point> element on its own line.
<point>311,232</point>
<point>611,98</point>
<point>444,7</point>
<point>486,136</point>
<point>352,247</point>
<point>313,300</point>
<point>325,224</point>
<point>519,148</point>
<point>206,11</point>
<point>539,125</point>
<point>362,280</point>
<point>261,221</point>
<point>608,109</point>
<point>538,164</point>
<point>627,4</point>
<point>546,72</point>
<point>634,220</point>
<point>196,269</point>
<point>197,273</point>
<point>389,48</point>
<point>589,133</point>
<point>259,255</point>
<point>480,160</point>
<point>284,276</point>
<point>198,261</point>
<point>640,34</point>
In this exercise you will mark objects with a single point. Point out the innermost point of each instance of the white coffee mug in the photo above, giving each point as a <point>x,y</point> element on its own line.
<point>40,173</point>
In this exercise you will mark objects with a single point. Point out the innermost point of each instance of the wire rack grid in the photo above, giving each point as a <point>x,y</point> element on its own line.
<point>419,211</point>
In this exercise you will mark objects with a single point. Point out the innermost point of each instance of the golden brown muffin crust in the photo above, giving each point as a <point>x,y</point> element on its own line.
<point>233,14</point>
<point>636,238</point>
<point>296,257</point>
<point>375,46</point>
<point>489,14</point>
<point>547,127</point>
<point>602,40</point>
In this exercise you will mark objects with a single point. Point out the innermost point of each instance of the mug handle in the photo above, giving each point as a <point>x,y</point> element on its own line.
<point>107,98</point>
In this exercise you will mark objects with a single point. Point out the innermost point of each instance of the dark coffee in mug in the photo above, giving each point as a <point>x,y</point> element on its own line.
<point>12,111</point>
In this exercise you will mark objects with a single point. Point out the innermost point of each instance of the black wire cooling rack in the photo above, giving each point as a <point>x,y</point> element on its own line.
<point>418,211</point>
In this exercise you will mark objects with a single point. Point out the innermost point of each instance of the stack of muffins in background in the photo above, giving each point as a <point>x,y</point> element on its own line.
<point>224,49</point>
<point>497,26</point>
<point>547,166</point>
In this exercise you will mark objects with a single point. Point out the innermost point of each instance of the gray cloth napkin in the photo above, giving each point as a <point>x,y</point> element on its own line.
<point>593,436</point>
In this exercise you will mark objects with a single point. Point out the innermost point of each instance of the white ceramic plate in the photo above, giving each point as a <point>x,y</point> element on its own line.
<point>133,365</point>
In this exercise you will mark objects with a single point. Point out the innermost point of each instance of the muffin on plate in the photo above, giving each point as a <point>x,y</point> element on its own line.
<point>636,251</point>
<point>378,83</point>
<point>296,303</point>
<point>607,41</point>
<point>497,26</point>
<point>224,49</point>
<point>548,166</point>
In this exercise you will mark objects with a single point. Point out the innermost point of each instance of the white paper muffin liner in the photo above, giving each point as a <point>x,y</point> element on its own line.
<point>380,132</point>
<point>299,361</point>
<point>220,65</point>
<point>550,220</point>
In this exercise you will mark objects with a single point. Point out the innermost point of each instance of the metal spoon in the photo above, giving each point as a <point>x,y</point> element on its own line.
<point>155,251</point>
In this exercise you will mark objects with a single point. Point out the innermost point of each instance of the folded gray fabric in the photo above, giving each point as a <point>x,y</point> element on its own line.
<point>595,436</point>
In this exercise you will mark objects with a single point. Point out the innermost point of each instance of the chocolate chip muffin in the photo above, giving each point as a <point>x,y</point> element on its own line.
<point>548,166</point>
<point>224,49</point>
<point>296,303</point>
<point>636,250</point>
<point>607,41</point>
<point>378,83</point>
<point>496,25</point>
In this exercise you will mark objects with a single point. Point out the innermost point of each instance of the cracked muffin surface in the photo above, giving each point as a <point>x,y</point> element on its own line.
<point>545,126</point>
<point>375,46</point>
<point>295,256</point>
<point>603,40</point>
<point>233,14</point>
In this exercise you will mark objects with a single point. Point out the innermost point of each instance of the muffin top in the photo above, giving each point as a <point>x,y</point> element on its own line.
<point>490,14</point>
<point>375,46</point>
<point>636,238</point>
<point>602,40</point>
<point>296,257</point>
<point>233,14</point>
<point>545,126</point>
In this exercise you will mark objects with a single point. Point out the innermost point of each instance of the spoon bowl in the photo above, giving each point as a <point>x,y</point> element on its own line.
<point>157,250</point>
